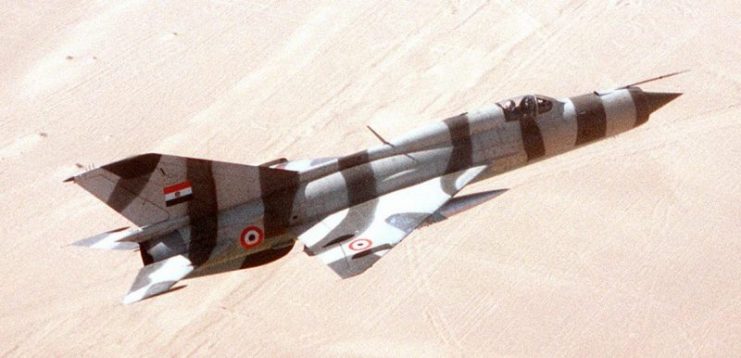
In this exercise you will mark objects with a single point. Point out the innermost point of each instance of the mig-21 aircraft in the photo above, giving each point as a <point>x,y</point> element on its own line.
<point>195,217</point>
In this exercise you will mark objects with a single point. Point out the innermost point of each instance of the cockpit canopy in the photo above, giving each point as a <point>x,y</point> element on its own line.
<point>529,106</point>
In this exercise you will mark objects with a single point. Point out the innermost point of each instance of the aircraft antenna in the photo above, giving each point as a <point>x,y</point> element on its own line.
<point>379,136</point>
<point>387,142</point>
<point>656,78</point>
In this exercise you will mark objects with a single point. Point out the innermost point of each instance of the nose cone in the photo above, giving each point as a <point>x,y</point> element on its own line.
<point>648,102</point>
<point>656,100</point>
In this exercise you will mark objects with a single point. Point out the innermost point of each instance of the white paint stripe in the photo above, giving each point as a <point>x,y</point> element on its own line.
<point>314,235</point>
<point>620,111</point>
<point>569,115</point>
<point>559,132</point>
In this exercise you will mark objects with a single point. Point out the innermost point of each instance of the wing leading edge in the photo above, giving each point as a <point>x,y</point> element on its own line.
<point>352,240</point>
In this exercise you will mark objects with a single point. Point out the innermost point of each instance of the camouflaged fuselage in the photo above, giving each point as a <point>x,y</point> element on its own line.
<point>198,217</point>
<point>498,137</point>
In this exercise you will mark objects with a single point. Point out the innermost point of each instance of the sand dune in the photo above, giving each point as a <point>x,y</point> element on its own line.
<point>626,247</point>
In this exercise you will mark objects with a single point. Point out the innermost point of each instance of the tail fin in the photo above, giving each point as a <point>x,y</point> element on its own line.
<point>152,188</point>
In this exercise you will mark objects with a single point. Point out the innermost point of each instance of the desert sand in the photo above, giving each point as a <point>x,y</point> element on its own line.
<point>628,247</point>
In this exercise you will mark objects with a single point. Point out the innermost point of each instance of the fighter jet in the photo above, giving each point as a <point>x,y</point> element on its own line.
<point>195,217</point>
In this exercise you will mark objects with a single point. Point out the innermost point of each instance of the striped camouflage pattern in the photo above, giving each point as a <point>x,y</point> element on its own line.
<point>350,210</point>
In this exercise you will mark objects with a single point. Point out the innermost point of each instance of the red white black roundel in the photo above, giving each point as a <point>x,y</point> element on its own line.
<point>360,244</point>
<point>251,236</point>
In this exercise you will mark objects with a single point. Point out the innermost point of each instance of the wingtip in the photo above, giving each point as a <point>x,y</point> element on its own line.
<point>129,299</point>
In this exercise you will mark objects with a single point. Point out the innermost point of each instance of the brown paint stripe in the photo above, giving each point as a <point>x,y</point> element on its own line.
<point>591,120</point>
<point>202,211</point>
<point>278,188</point>
<point>641,105</point>
<point>135,174</point>
<point>144,252</point>
<point>353,160</point>
<point>460,137</point>
<point>360,183</point>
<point>360,180</point>
<point>134,167</point>
<point>532,138</point>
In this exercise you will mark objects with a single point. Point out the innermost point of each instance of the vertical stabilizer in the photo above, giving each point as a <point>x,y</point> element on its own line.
<point>153,188</point>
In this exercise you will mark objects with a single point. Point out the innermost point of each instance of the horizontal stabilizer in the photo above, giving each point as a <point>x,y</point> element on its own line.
<point>158,278</point>
<point>109,240</point>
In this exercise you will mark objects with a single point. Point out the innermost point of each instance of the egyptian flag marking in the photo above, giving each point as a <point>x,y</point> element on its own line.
<point>178,193</point>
